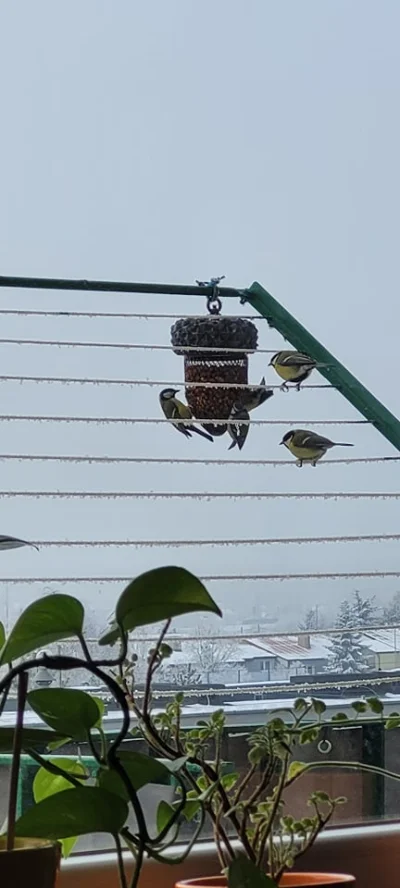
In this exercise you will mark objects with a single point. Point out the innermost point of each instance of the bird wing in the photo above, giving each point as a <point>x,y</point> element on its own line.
<point>313,440</point>
<point>183,411</point>
<point>296,359</point>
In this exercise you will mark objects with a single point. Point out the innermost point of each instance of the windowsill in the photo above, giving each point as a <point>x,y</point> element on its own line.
<point>371,853</point>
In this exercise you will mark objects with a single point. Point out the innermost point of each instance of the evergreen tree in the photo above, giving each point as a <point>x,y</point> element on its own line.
<point>348,653</point>
<point>363,610</point>
<point>391,613</point>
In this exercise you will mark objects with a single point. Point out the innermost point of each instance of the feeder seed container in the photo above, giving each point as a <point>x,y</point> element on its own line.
<point>188,337</point>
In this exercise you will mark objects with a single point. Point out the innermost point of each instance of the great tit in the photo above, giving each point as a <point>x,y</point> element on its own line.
<point>254,397</point>
<point>238,426</point>
<point>307,446</point>
<point>174,409</point>
<point>292,366</point>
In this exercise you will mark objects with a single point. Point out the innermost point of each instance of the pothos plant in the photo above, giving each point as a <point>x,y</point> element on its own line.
<point>66,806</point>
<point>251,806</point>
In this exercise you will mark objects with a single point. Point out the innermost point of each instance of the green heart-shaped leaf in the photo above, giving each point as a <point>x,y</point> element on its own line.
<point>159,595</point>
<point>295,769</point>
<point>49,619</point>
<point>74,812</point>
<point>164,814</point>
<point>69,712</point>
<point>141,770</point>
<point>46,784</point>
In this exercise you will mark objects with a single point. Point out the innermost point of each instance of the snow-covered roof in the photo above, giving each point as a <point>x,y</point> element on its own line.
<point>285,647</point>
<point>290,648</point>
<point>382,641</point>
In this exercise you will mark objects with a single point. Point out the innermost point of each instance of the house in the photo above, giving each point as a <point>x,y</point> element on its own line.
<point>273,658</point>
<point>384,645</point>
<point>277,657</point>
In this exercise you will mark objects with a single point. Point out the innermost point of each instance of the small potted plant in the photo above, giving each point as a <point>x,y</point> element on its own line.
<point>66,806</point>
<point>251,807</point>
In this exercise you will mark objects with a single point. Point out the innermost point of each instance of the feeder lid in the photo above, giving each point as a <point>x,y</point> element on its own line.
<point>213,331</point>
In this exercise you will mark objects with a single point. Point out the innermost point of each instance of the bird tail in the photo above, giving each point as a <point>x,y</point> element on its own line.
<point>200,432</point>
<point>232,445</point>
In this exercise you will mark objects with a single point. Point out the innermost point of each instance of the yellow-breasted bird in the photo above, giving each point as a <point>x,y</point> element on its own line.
<point>254,397</point>
<point>307,446</point>
<point>292,366</point>
<point>174,409</point>
<point>238,425</point>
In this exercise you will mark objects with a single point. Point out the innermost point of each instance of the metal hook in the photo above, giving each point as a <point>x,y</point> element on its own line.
<point>214,303</point>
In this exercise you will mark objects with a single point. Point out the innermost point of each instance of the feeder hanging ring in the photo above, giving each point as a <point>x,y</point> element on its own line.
<point>214,303</point>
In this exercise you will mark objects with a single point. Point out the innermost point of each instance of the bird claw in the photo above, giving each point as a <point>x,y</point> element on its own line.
<point>284,387</point>
<point>299,463</point>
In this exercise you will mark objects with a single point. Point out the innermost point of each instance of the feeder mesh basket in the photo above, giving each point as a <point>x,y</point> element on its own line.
<point>188,337</point>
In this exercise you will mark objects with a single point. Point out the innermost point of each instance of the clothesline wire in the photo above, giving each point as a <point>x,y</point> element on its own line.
<point>372,538</point>
<point>202,349</point>
<point>150,382</point>
<point>379,574</point>
<point>12,417</point>
<point>303,689</point>
<point>21,457</point>
<point>250,636</point>
<point>153,495</point>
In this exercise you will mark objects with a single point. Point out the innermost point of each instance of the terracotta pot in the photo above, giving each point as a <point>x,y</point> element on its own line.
<point>32,864</point>
<point>288,880</point>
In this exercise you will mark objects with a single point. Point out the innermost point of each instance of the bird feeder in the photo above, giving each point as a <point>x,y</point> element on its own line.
<point>215,350</point>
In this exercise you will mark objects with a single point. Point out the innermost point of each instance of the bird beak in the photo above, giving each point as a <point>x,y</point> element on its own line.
<point>281,442</point>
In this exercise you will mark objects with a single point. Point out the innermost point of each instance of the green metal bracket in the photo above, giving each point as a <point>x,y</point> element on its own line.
<point>347,384</point>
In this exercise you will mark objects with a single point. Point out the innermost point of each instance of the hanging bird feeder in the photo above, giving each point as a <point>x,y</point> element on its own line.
<point>215,350</point>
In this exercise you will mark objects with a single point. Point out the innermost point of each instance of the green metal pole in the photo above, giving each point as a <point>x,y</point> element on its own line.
<point>114,286</point>
<point>347,384</point>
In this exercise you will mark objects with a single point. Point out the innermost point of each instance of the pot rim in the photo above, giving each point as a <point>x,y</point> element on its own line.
<point>26,843</point>
<point>290,879</point>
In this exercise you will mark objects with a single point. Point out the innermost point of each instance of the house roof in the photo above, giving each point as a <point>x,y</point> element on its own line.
<point>288,647</point>
<point>285,647</point>
<point>382,641</point>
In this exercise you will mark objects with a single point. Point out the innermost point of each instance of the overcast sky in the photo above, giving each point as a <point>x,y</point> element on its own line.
<point>167,142</point>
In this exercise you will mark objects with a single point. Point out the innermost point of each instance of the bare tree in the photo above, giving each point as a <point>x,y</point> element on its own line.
<point>212,655</point>
<point>183,674</point>
<point>312,619</point>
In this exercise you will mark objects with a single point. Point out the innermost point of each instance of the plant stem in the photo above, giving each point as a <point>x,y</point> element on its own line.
<point>4,697</point>
<point>121,868</point>
<point>17,745</point>
<point>275,805</point>
<point>85,648</point>
<point>138,866</point>
<point>242,785</point>
<point>96,755</point>
<point>356,766</point>
<point>54,769</point>
<point>152,665</point>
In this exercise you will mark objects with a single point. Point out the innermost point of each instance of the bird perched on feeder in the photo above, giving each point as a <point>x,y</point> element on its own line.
<point>293,366</point>
<point>173,409</point>
<point>238,425</point>
<point>308,446</point>
<point>254,397</point>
